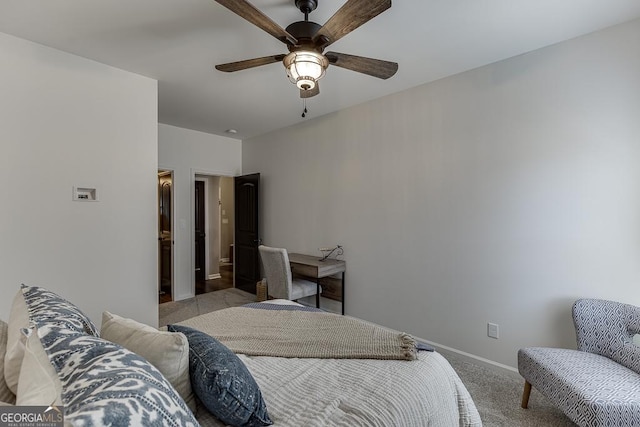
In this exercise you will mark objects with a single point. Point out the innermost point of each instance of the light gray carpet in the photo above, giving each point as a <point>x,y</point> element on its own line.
<point>177,311</point>
<point>497,395</point>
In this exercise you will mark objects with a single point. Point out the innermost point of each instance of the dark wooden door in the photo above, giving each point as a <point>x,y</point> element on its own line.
<point>199,231</point>
<point>247,236</point>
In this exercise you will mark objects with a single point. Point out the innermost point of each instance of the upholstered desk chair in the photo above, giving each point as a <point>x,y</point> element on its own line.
<point>280,283</point>
<point>599,383</point>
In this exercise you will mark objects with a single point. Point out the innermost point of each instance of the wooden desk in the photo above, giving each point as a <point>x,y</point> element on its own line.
<point>311,266</point>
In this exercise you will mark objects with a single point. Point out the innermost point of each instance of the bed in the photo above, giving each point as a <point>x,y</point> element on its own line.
<point>345,391</point>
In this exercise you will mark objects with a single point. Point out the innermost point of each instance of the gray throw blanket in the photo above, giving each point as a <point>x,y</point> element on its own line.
<point>303,334</point>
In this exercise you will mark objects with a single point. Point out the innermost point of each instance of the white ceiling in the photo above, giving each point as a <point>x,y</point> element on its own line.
<point>178,42</point>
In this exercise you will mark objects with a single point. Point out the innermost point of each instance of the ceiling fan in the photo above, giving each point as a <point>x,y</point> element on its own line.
<point>306,63</point>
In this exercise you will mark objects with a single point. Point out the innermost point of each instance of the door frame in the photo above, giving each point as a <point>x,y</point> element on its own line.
<point>192,213</point>
<point>170,171</point>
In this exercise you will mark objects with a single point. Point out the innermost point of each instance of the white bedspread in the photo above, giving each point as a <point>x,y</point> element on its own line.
<point>355,392</point>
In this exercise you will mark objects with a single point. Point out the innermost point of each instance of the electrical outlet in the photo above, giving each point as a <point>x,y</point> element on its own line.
<point>493,330</point>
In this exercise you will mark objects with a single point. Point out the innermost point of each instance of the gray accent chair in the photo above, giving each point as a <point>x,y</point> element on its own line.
<point>280,283</point>
<point>599,383</point>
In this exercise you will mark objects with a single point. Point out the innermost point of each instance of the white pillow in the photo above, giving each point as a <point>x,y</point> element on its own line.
<point>39,383</point>
<point>167,351</point>
<point>18,319</point>
<point>6,395</point>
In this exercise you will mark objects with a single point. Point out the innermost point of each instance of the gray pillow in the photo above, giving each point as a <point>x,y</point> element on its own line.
<point>222,382</point>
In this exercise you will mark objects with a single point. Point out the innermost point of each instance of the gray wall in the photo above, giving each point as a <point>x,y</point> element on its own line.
<point>498,195</point>
<point>66,121</point>
<point>188,153</point>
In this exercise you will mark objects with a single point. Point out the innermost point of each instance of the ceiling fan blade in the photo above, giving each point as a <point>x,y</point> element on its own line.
<point>304,94</point>
<point>249,63</point>
<point>246,10</point>
<point>350,16</point>
<point>373,67</point>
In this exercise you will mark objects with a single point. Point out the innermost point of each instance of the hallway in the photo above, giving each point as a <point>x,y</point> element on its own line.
<point>224,282</point>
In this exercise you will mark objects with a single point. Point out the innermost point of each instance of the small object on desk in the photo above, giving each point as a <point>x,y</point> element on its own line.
<point>328,251</point>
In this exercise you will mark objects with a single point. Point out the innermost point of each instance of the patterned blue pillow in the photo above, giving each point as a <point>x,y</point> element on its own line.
<point>104,384</point>
<point>46,307</point>
<point>222,382</point>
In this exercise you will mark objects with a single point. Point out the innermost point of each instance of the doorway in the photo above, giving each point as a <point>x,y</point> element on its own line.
<point>165,235</point>
<point>213,233</point>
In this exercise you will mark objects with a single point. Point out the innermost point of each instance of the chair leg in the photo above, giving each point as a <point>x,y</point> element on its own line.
<point>525,394</point>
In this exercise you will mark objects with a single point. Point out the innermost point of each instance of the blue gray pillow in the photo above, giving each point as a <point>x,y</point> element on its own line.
<point>46,307</point>
<point>104,384</point>
<point>222,382</point>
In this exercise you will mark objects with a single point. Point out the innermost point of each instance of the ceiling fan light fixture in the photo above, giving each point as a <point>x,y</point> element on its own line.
<point>305,68</point>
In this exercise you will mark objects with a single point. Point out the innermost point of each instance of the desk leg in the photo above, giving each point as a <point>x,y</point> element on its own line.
<point>317,293</point>
<point>343,293</point>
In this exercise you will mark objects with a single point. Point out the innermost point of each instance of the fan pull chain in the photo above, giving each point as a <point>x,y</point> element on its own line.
<point>304,104</point>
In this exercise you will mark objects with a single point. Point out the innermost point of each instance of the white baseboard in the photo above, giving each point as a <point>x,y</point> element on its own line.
<point>214,276</point>
<point>462,355</point>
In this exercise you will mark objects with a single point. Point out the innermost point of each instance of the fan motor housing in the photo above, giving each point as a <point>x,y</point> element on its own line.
<point>303,30</point>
